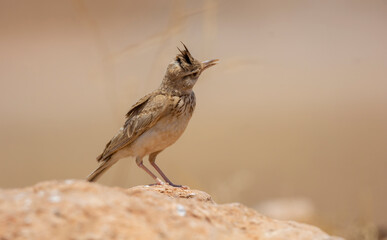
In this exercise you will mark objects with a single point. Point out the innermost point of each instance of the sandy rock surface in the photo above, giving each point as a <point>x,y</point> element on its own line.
<point>74,209</point>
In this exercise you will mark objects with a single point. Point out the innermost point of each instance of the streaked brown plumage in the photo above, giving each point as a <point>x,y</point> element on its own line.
<point>158,119</point>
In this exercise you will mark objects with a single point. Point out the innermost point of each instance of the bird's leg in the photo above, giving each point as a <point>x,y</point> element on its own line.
<point>152,160</point>
<point>141,165</point>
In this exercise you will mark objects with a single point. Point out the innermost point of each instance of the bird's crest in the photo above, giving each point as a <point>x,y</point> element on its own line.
<point>184,56</point>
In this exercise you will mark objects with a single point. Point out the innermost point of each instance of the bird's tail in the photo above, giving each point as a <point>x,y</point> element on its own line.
<point>97,173</point>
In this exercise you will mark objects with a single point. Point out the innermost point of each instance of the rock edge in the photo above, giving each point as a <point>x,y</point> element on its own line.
<point>76,209</point>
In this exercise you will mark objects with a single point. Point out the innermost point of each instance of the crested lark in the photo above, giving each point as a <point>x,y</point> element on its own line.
<point>158,119</point>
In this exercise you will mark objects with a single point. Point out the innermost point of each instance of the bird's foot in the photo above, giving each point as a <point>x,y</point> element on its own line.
<point>176,185</point>
<point>157,183</point>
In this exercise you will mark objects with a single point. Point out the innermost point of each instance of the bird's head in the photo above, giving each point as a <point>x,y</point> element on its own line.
<point>184,71</point>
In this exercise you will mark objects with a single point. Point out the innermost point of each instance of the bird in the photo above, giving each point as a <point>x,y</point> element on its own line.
<point>158,119</point>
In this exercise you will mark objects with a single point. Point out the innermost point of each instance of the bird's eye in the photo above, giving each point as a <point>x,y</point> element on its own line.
<point>196,74</point>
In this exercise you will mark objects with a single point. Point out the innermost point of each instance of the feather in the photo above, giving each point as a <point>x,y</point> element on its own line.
<point>184,55</point>
<point>142,116</point>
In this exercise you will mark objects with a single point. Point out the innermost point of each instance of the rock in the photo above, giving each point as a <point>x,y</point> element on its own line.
<point>74,209</point>
<point>298,209</point>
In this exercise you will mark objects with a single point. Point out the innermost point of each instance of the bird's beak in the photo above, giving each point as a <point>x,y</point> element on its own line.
<point>209,63</point>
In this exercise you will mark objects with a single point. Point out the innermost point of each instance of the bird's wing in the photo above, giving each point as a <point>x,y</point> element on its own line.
<point>142,116</point>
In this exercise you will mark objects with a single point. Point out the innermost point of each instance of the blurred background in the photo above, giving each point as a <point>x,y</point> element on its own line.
<point>294,117</point>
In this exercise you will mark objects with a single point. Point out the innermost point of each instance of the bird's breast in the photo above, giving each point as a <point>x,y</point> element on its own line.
<point>166,131</point>
<point>184,104</point>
